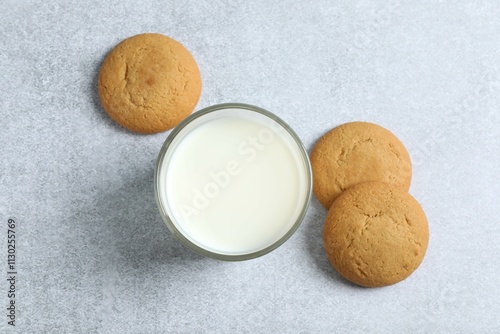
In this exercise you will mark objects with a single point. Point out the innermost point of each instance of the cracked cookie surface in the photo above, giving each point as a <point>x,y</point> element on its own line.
<point>375,234</point>
<point>357,152</point>
<point>149,83</point>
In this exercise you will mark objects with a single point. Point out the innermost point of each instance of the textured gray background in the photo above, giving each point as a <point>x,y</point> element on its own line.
<point>93,253</point>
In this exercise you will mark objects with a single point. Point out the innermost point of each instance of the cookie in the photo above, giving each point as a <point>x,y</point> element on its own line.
<point>149,83</point>
<point>375,234</point>
<point>357,152</point>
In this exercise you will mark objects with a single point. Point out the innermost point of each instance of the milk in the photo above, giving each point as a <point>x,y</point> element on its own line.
<point>234,182</point>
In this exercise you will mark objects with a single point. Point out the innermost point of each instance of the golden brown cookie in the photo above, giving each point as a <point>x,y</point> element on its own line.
<point>357,152</point>
<point>375,234</point>
<point>149,83</point>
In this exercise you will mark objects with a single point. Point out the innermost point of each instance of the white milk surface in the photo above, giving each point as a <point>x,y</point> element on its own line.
<point>234,184</point>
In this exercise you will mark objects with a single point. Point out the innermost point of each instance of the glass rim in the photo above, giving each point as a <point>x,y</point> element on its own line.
<point>170,224</point>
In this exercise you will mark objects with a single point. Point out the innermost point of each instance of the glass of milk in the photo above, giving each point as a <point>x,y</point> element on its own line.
<point>233,182</point>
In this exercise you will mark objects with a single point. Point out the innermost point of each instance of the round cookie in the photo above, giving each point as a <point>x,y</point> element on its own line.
<point>149,83</point>
<point>357,152</point>
<point>375,234</point>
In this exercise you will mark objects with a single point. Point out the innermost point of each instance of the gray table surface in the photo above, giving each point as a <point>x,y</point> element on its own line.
<point>93,255</point>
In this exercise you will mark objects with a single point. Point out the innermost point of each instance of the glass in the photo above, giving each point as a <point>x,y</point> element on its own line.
<point>180,132</point>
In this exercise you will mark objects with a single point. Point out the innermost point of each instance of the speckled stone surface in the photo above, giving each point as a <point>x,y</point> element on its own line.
<point>93,255</point>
